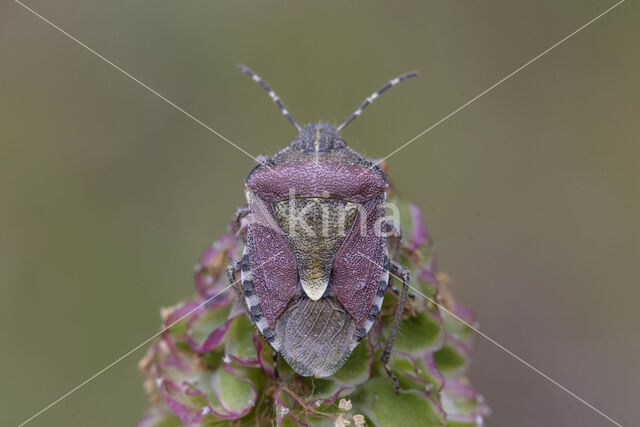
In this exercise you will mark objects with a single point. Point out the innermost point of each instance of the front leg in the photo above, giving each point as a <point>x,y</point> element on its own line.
<point>393,234</point>
<point>236,223</point>
<point>241,213</point>
<point>394,241</point>
<point>396,270</point>
<point>395,244</point>
<point>232,269</point>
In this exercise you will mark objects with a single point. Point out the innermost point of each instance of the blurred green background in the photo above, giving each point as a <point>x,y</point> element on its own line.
<point>109,195</point>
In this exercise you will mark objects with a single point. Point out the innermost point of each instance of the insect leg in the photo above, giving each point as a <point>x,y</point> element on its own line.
<point>275,364</point>
<point>394,240</point>
<point>393,229</point>
<point>397,292</point>
<point>232,269</point>
<point>402,272</point>
<point>394,237</point>
<point>237,218</point>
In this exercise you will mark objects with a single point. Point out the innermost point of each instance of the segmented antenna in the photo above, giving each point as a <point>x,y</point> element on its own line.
<point>375,94</point>
<point>249,72</point>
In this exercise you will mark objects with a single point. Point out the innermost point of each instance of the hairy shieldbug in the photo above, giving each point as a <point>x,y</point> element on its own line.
<point>316,209</point>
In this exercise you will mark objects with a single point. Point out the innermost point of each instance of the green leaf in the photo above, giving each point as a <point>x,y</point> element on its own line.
<point>418,333</point>
<point>287,422</point>
<point>403,367</point>
<point>238,341</point>
<point>449,359</point>
<point>405,215</point>
<point>461,424</point>
<point>322,388</point>
<point>169,421</point>
<point>234,393</point>
<point>356,368</point>
<point>457,329</point>
<point>208,322</point>
<point>378,401</point>
<point>161,417</point>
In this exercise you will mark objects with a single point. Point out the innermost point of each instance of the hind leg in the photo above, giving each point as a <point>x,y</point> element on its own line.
<point>398,271</point>
<point>393,232</point>
<point>394,243</point>
<point>275,364</point>
<point>397,292</point>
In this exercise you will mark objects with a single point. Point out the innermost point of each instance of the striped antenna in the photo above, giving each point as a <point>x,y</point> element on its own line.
<point>249,72</point>
<point>375,94</point>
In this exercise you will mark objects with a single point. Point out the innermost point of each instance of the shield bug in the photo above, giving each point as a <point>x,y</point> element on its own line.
<point>315,266</point>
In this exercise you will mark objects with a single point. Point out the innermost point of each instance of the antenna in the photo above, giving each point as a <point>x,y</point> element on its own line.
<point>249,72</point>
<point>375,94</point>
